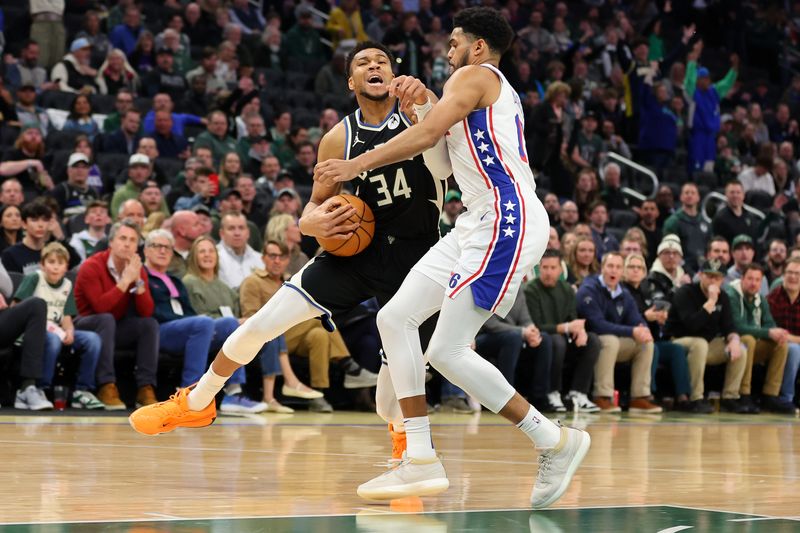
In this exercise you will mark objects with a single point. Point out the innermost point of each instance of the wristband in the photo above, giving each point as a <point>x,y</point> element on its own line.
<point>422,110</point>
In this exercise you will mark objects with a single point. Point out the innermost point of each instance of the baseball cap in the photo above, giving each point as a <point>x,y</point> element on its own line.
<point>670,242</point>
<point>202,208</point>
<point>227,193</point>
<point>451,195</point>
<point>702,72</point>
<point>712,266</point>
<point>76,158</point>
<point>138,159</point>
<point>164,50</point>
<point>290,192</point>
<point>590,114</point>
<point>740,240</point>
<point>79,43</point>
<point>304,11</point>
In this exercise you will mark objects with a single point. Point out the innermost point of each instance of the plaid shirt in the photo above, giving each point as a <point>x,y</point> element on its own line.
<point>785,313</point>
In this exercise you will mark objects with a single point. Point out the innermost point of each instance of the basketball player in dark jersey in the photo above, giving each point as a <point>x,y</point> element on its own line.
<point>406,199</point>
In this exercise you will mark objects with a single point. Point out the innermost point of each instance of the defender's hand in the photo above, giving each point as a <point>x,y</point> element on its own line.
<point>336,170</point>
<point>329,220</point>
<point>409,90</point>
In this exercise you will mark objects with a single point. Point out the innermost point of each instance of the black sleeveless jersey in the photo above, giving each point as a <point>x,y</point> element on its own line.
<point>405,199</point>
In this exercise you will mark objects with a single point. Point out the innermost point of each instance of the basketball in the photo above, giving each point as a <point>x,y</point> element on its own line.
<point>361,237</point>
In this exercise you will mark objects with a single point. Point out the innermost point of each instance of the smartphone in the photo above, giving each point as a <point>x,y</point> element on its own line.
<point>662,305</point>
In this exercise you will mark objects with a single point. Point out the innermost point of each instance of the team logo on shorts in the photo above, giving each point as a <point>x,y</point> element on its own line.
<point>454,279</point>
<point>394,121</point>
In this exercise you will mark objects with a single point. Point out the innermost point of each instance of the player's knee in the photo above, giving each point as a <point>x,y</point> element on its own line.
<point>442,354</point>
<point>388,319</point>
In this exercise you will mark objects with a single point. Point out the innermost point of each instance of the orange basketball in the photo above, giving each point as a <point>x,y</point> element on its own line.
<point>361,237</point>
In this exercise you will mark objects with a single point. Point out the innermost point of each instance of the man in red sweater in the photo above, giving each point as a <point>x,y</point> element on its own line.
<point>114,300</point>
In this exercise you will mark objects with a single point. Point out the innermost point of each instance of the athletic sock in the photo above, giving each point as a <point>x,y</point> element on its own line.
<point>543,432</point>
<point>206,389</point>
<point>418,438</point>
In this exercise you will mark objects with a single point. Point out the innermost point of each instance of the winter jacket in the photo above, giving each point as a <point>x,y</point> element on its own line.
<point>604,314</point>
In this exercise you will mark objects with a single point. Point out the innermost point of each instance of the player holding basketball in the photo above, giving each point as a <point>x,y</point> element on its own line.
<point>405,198</point>
<point>476,270</point>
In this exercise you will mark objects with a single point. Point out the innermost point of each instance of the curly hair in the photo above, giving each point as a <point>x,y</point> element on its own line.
<point>488,24</point>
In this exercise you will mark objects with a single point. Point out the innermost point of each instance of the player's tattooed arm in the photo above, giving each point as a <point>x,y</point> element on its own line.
<point>324,216</point>
<point>467,89</point>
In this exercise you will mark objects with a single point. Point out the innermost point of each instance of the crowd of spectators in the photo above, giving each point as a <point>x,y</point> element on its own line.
<point>156,157</point>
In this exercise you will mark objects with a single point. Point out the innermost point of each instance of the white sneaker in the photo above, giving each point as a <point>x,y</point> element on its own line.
<point>32,399</point>
<point>412,477</point>
<point>557,466</point>
<point>555,402</point>
<point>585,405</point>
<point>364,379</point>
<point>83,399</point>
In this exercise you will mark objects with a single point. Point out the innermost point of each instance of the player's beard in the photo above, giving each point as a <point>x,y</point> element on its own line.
<point>462,62</point>
<point>374,97</point>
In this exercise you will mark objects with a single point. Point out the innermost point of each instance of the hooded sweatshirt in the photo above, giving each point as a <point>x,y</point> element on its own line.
<point>751,316</point>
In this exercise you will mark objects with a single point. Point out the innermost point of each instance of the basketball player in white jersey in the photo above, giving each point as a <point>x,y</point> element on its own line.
<point>476,270</point>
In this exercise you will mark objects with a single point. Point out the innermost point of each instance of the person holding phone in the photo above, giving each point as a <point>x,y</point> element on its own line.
<point>666,353</point>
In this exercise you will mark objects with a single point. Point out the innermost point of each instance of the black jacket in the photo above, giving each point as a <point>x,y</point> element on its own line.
<point>688,318</point>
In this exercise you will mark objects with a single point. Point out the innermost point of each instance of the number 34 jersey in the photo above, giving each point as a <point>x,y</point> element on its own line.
<point>405,198</point>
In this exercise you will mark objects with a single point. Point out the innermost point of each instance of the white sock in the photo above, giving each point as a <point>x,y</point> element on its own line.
<point>205,390</point>
<point>538,428</point>
<point>418,438</point>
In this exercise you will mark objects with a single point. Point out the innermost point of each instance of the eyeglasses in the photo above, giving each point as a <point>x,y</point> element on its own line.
<point>160,247</point>
<point>635,267</point>
<point>791,273</point>
<point>274,257</point>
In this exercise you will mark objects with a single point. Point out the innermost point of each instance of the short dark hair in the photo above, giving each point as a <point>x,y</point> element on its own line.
<point>36,210</point>
<point>551,253</point>
<point>366,45</point>
<point>208,51</point>
<point>716,238</point>
<point>734,182</point>
<point>488,24</point>
<point>752,266</point>
<point>284,250</point>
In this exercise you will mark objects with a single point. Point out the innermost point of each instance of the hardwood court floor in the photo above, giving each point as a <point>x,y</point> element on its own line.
<point>299,473</point>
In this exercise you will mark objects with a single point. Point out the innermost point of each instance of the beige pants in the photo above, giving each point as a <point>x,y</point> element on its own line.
<point>50,36</point>
<point>702,353</point>
<point>615,350</point>
<point>310,339</point>
<point>760,351</point>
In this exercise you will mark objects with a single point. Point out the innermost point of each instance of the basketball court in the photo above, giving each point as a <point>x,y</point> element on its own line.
<point>299,473</point>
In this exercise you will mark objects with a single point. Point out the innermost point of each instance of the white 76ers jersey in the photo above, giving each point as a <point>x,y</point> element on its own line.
<point>487,149</point>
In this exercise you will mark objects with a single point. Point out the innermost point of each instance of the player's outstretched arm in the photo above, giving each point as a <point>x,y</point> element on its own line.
<point>324,216</point>
<point>437,158</point>
<point>463,93</point>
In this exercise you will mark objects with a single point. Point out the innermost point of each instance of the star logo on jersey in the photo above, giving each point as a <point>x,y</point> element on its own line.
<point>478,134</point>
<point>394,121</point>
<point>483,147</point>
<point>508,232</point>
<point>509,205</point>
<point>489,160</point>
<point>357,140</point>
<point>510,219</point>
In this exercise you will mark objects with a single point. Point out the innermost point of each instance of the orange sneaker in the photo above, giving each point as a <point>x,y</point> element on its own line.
<point>163,417</point>
<point>398,443</point>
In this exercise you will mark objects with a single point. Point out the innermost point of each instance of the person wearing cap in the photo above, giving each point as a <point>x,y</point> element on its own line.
<point>28,112</point>
<point>765,341</point>
<point>75,194</point>
<point>586,145</point>
<point>124,36</point>
<point>700,320</point>
<point>654,306</point>
<point>287,201</point>
<point>732,219</point>
<point>758,177</point>
<point>138,173</point>
<point>303,41</point>
<point>667,274</point>
<point>450,211</point>
<point>164,78</point>
<point>73,73</point>
<point>785,307</point>
<point>705,120</point>
<point>691,229</point>
<point>611,313</point>
<point>743,254</point>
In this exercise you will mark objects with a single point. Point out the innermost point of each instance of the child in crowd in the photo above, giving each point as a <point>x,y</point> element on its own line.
<point>96,219</point>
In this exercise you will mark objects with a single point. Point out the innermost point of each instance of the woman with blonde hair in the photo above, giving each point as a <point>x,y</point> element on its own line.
<point>116,73</point>
<point>212,297</point>
<point>154,221</point>
<point>637,235</point>
<point>582,261</point>
<point>283,228</point>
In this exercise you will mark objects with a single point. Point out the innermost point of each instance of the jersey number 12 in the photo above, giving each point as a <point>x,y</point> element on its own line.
<point>401,187</point>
